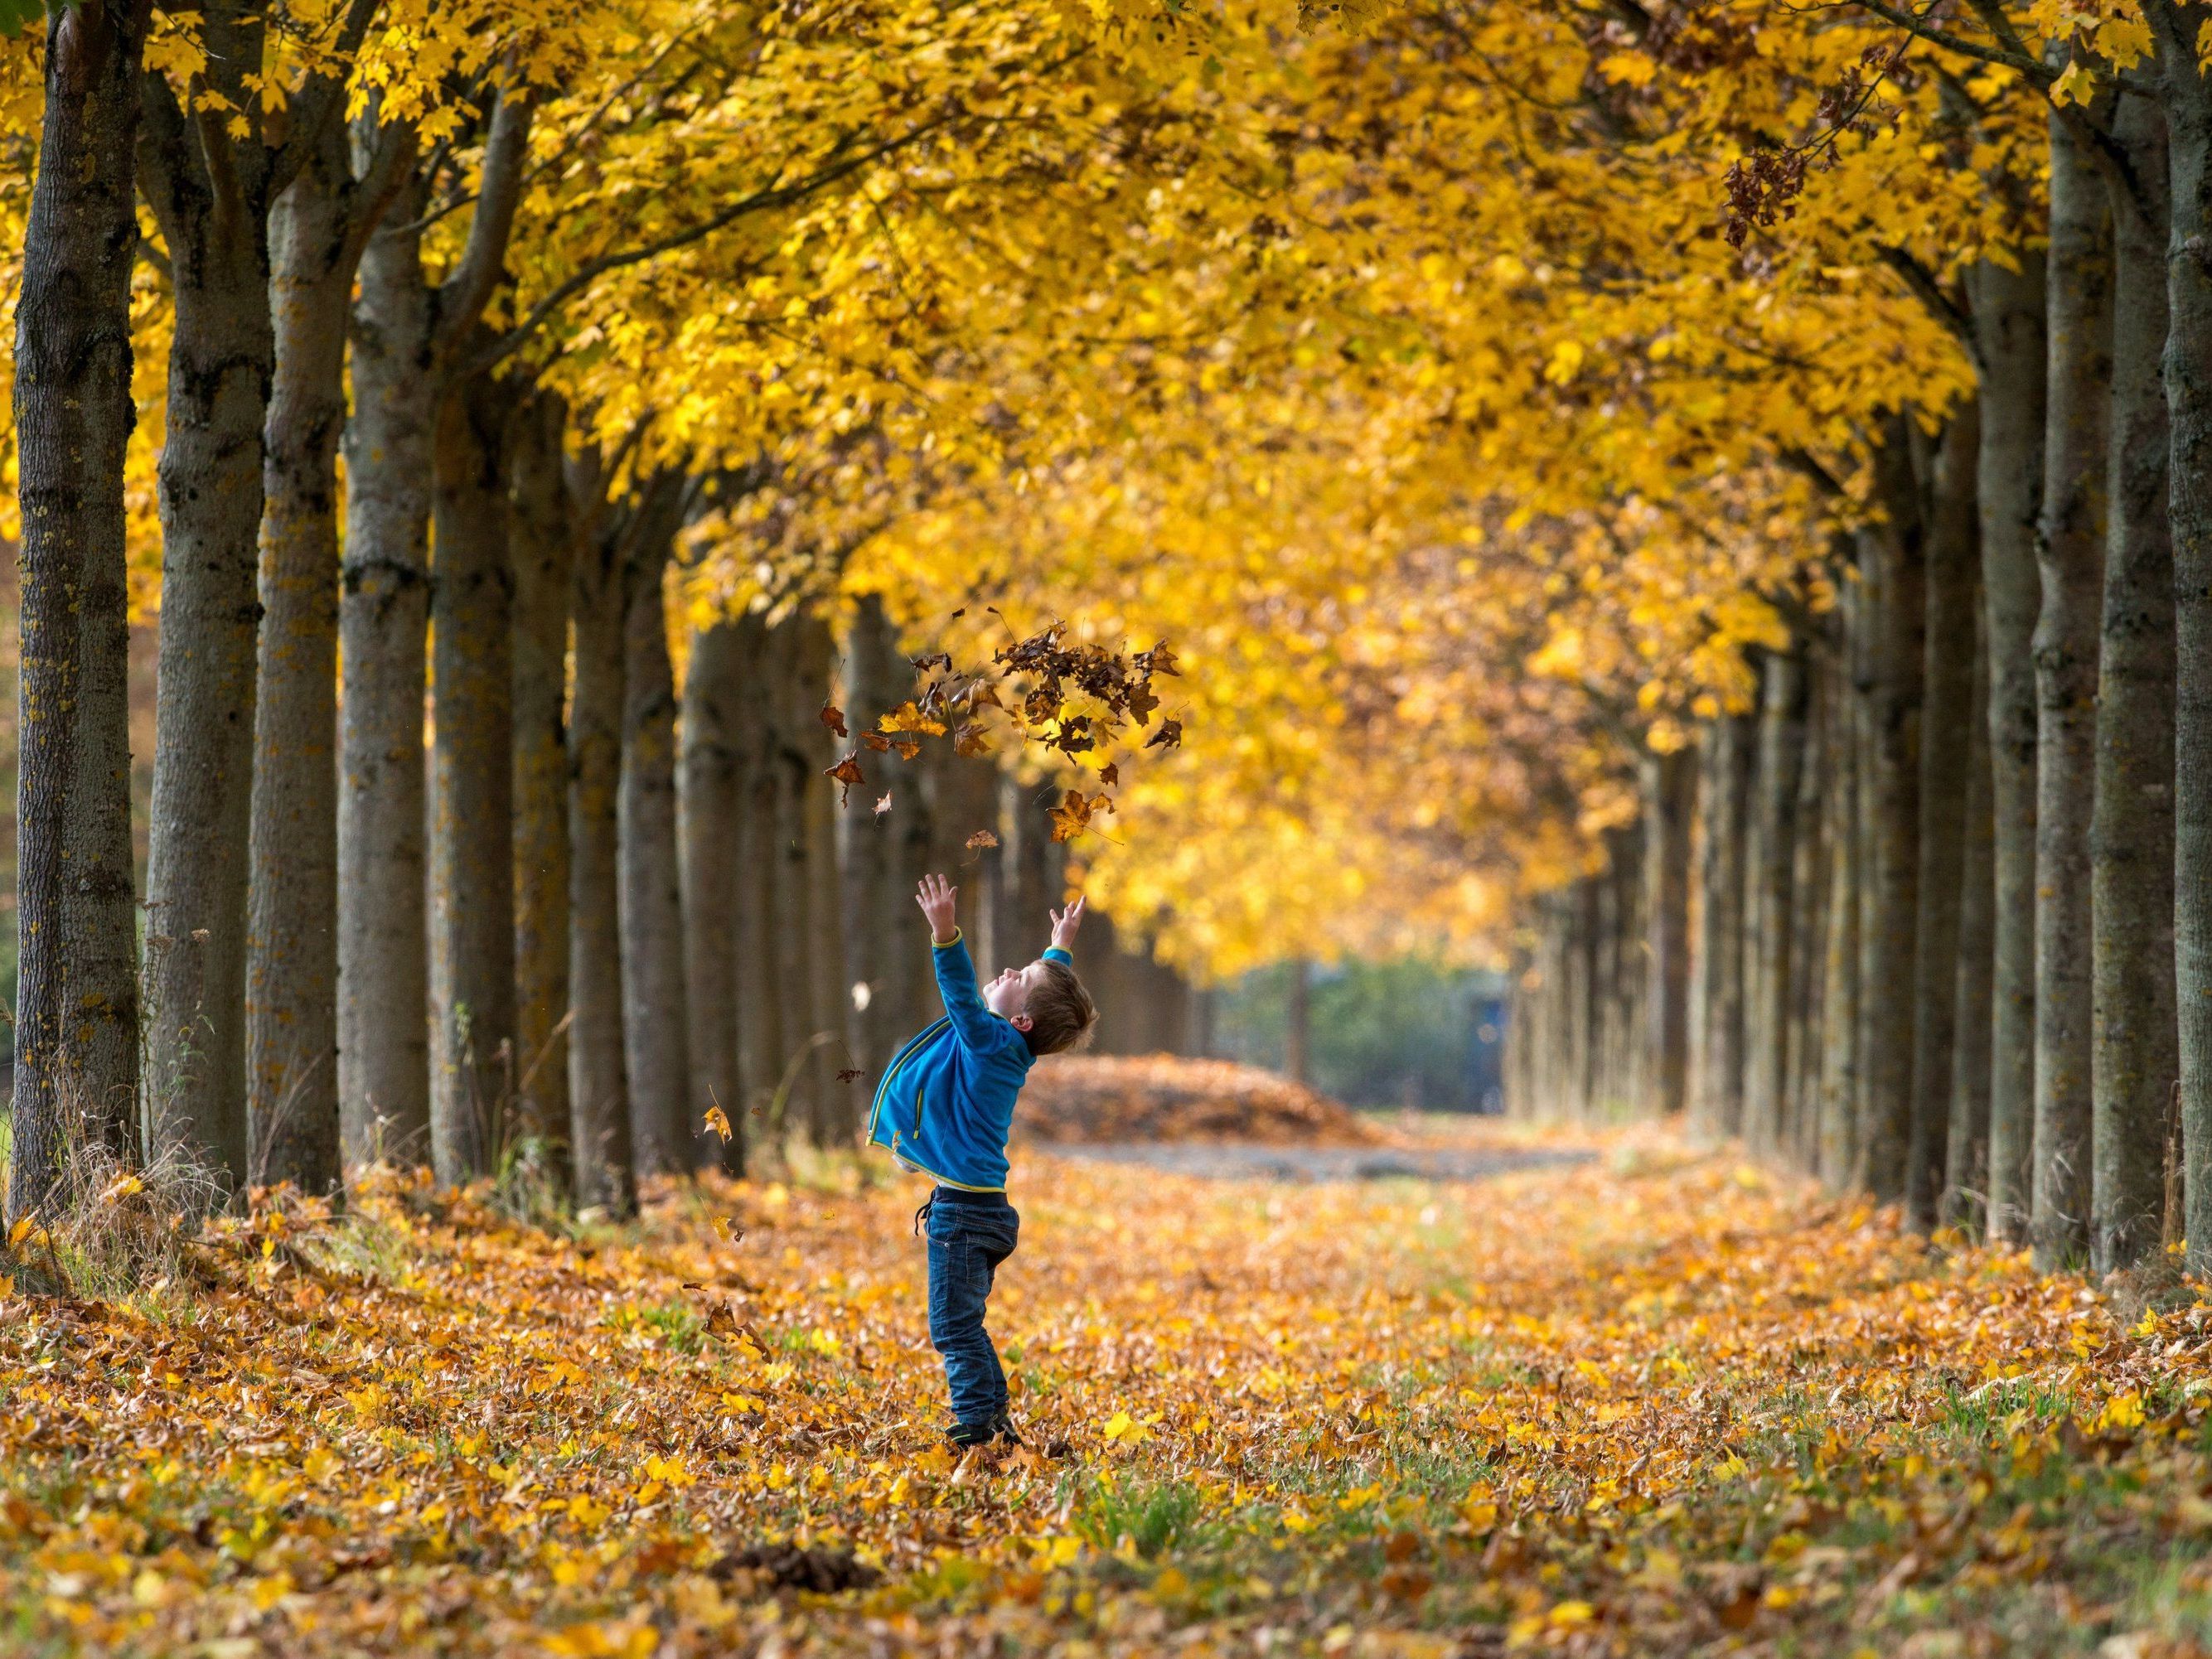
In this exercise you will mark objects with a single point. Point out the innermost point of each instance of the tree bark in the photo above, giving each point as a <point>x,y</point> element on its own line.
<point>2135,1057</point>
<point>1729,744</point>
<point>1966,1150</point>
<point>653,1018</point>
<point>872,680</point>
<point>1948,667</point>
<point>404,335</point>
<point>2069,556</point>
<point>760,1013</point>
<point>2010,331</point>
<point>292,955</point>
<point>472,808</point>
<point>794,933</point>
<point>543,559</point>
<point>2187,96</point>
<point>1808,887</point>
<point>1836,1138</point>
<point>383,616</point>
<point>1669,791</point>
<point>837,1106</point>
<point>1892,570</point>
<point>1768,970</point>
<point>712,781</point>
<point>76,1016</point>
<point>208,187</point>
<point>598,1077</point>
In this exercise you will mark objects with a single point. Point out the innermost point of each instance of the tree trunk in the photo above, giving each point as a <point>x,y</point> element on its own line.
<point>1728,758</point>
<point>1298,1024</point>
<point>1808,887</point>
<point>1892,565</point>
<point>2070,556</point>
<point>2134,1056</point>
<point>837,1106</point>
<point>1948,667</point>
<point>598,1077</point>
<point>1669,792</point>
<point>543,559</point>
<point>760,1014</point>
<point>872,686</point>
<point>208,192</point>
<point>291,951</point>
<point>1836,1137</point>
<point>1768,967</point>
<point>472,810</point>
<point>794,933</point>
<point>404,335</point>
<point>2188,377</point>
<point>76,1011</point>
<point>384,1071</point>
<point>1966,1150</point>
<point>655,1046</point>
<point>712,780</point>
<point>2011,327</point>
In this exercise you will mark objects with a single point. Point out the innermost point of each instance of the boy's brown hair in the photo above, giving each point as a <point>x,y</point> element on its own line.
<point>1062,1014</point>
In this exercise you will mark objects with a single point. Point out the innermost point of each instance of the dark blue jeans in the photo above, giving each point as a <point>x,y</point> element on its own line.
<point>970,1234</point>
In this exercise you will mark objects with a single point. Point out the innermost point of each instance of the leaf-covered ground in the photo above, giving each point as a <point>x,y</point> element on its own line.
<point>1657,1403</point>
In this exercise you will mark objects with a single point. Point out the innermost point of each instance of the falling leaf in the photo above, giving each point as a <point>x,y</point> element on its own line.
<point>907,747</point>
<point>958,614</point>
<point>882,804</point>
<point>1070,817</point>
<point>981,839</point>
<point>849,1073</point>
<point>928,660</point>
<point>728,1231</point>
<point>908,717</point>
<point>834,718</point>
<point>971,740</point>
<point>1109,774</point>
<point>1170,735</point>
<point>847,772</point>
<point>718,1120</point>
<point>876,741</point>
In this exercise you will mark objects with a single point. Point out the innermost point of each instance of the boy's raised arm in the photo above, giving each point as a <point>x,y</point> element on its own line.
<point>955,969</point>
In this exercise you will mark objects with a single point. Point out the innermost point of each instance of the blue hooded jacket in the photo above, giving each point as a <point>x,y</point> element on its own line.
<point>946,1101</point>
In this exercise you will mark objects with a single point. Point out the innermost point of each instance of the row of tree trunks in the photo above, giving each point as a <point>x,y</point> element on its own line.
<point>1866,975</point>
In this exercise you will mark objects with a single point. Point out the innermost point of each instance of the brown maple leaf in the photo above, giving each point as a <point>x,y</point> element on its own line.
<point>849,1073</point>
<point>1070,816</point>
<point>971,740</point>
<point>1170,735</point>
<point>1109,774</point>
<point>848,773</point>
<point>834,718</point>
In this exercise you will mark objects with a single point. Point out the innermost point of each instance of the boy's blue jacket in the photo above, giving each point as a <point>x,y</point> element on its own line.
<point>946,1101</point>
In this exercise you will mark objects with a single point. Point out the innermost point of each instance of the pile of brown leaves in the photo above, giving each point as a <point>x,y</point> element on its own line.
<point>1101,1099</point>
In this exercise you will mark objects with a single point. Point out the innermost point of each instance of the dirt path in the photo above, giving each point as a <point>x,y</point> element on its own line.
<point>1232,1162</point>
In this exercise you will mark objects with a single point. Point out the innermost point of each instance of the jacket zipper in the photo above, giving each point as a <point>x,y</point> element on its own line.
<point>901,1059</point>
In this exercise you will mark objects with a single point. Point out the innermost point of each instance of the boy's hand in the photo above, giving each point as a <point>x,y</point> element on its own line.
<point>1066,924</point>
<point>937,898</point>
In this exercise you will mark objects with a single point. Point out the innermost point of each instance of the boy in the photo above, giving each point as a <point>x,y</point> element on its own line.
<point>944,1109</point>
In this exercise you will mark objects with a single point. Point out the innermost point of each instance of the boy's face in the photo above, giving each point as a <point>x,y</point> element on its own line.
<point>1008,995</point>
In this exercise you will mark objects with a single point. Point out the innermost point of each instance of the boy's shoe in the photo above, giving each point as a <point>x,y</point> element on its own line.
<point>964,1435</point>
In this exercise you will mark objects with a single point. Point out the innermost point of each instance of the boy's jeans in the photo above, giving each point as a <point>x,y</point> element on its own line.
<point>970,1234</point>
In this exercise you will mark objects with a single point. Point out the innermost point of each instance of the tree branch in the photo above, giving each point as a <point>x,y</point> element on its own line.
<point>766,198</point>
<point>463,295</point>
<point>1930,292</point>
<point>318,103</point>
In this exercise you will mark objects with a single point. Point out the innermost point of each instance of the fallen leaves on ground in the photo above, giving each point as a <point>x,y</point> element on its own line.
<point>1100,1098</point>
<point>1656,1403</point>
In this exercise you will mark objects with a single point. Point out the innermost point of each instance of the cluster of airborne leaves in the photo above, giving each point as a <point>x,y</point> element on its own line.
<point>1071,699</point>
<point>1660,1405</point>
